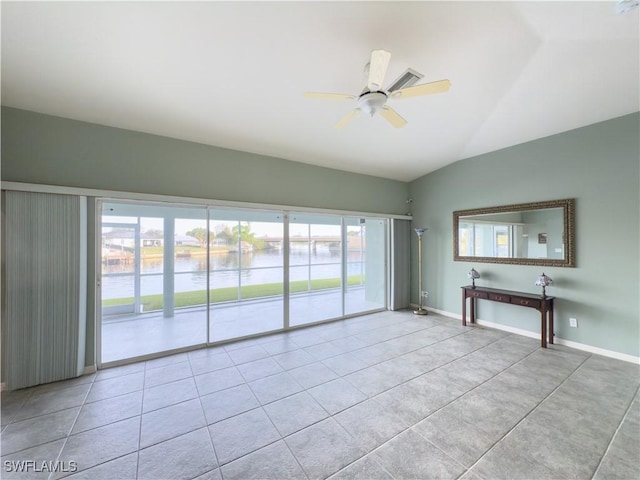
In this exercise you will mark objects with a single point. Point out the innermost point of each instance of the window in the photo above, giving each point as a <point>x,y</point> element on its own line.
<point>480,239</point>
<point>176,276</point>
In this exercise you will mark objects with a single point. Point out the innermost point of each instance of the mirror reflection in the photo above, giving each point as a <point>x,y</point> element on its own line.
<point>534,234</point>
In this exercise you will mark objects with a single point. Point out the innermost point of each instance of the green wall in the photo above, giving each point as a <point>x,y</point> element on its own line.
<point>599,166</point>
<point>56,151</point>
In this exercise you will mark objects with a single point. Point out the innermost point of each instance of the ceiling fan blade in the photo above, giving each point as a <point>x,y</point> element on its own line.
<point>424,89</point>
<point>378,69</point>
<point>391,116</point>
<point>328,96</point>
<point>347,118</point>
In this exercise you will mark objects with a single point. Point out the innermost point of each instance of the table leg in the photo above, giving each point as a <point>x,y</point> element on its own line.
<point>543,328</point>
<point>472,309</point>
<point>464,308</point>
<point>551,324</point>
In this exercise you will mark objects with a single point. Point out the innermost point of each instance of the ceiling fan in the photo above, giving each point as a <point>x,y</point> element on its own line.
<point>373,98</point>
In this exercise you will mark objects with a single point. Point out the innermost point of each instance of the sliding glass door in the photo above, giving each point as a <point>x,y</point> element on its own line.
<point>120,268</point>
<point>246,273</point>
<point>315,271</point>
<point>366,270</point>
<point>153,279</point>
<point>175,276</point>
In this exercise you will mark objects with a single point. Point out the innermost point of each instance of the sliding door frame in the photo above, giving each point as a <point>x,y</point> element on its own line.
<point>286,248</point>
<point>137,275</point>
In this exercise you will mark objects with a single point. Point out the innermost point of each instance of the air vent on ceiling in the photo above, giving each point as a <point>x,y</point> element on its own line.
<point>408,78</point>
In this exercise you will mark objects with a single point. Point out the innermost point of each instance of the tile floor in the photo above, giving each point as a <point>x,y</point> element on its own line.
<point>382,396</point>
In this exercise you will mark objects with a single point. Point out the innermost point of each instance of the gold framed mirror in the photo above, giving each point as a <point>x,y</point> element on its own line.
<point>538,233</point>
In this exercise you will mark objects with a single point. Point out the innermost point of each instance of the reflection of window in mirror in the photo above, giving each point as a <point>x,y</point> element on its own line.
<point>526,234</point>
<point>486,240</point>
<point>502,242</point>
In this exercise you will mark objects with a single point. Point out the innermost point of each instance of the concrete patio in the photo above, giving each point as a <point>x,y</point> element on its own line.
<point>136,335</point>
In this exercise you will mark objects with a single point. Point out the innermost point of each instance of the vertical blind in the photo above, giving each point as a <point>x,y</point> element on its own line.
<point>400,264</point>
<point>44,316</point>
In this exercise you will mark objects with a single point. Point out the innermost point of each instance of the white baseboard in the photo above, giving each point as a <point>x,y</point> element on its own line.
<point>507,328</point>
<point>598,351</point>
<point>559,341</point>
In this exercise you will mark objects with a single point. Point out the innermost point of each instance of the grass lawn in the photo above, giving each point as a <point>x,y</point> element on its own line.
<point>216,295</point>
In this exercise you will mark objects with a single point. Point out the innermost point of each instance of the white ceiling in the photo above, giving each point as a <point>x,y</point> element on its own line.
<point>232,74</point>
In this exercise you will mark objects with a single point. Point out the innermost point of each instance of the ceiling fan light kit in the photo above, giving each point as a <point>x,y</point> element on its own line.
<point>371,102</point>
<point>374,99</point>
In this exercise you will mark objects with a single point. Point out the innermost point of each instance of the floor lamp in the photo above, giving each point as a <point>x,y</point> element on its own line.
<point>420,310</point>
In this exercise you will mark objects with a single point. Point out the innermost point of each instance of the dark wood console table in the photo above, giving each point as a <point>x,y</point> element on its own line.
<point>543,305</point>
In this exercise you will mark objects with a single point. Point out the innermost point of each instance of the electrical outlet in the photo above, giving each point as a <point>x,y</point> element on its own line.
<point>573,322</point>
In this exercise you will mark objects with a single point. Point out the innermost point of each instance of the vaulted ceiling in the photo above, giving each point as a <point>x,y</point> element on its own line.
<point>232,74</point>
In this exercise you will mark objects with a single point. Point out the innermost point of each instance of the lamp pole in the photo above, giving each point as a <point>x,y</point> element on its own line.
<point>420,310</point>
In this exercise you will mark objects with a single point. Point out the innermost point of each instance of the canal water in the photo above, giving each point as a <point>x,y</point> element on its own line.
<point>262,266</point>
